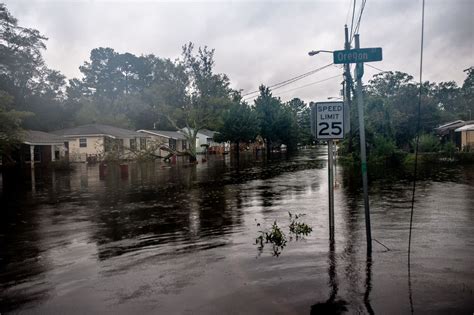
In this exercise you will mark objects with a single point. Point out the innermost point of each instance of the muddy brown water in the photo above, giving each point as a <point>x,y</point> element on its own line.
<point>173,239</point>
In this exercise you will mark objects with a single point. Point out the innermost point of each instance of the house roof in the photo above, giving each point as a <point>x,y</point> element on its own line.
<point>208,133</point>
<point>446,128</point>
<point>164,133</point>
<point>98,130</point>
<point>35,137</point>
<point>465,128</point>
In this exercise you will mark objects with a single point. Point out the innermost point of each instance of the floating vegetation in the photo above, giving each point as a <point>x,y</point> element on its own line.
<point>277,238</point>
<point>298,229</point>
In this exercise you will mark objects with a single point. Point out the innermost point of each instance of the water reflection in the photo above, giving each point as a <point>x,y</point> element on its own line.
<point>171,233</point>
<point>332,305</point>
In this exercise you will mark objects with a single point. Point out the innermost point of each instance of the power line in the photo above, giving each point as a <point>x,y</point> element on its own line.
<point>348,11</point>
<point>356,29</point>
<point>352,23</point>
<point>309,84</point>
<point>289,81</point>
<point>369,65</point>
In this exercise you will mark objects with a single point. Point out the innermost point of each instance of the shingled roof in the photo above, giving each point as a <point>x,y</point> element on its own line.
<point>99,130</point>
<point>164,133</point>
<point>34,137</point>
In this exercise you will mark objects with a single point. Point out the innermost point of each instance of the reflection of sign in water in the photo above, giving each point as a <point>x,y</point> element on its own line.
<point>328,120</point>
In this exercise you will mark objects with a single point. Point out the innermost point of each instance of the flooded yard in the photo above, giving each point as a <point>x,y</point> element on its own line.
<point>172,239</point>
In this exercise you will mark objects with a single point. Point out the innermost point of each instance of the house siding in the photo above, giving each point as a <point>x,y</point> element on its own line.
<point>95,147</point>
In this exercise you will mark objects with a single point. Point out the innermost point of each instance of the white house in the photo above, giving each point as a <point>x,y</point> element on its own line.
<point>164,141</point>
<point>205,141</point>
<point>94,141</point>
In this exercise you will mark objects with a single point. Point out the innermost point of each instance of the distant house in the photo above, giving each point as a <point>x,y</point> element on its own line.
<point>94,141</point>
<point>447,132</point>
<point>205,141</point>
<point>38,148</point>
<point>162,140</point>
<point>467,137</point>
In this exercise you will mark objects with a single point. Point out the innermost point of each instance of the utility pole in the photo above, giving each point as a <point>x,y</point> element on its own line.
<point>363,154</point>
<point>347,89</point>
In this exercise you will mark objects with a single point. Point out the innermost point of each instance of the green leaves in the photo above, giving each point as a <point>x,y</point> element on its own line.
<point>277,238</point>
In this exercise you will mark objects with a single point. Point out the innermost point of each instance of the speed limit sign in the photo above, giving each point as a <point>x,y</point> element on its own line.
<point>327,120</point>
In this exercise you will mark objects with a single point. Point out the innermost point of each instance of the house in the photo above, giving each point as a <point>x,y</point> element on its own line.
<point>94,141</point>
<point>447,132</point>
<point>39,148</point>
<point>164,140</point>
<point>205,142</point>
<point>467,137</point>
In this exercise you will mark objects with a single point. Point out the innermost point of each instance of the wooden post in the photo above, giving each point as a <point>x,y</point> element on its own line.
<point>53,157</point>
<point>32,156</point>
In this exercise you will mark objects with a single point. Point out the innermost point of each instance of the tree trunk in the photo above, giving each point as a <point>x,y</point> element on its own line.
<point>238,151</point>
<point>269,149</point>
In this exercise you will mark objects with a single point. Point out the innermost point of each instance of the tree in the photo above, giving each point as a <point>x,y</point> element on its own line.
<point>240,124</point>
<point>208,94</point>
<point>11,132</point>
<point>302,113</point>
<point>277,122</point>
<point>21,62</point>
<point>24,75</point>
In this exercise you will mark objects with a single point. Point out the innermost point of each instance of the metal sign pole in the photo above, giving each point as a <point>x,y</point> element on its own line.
<point>331,189</point>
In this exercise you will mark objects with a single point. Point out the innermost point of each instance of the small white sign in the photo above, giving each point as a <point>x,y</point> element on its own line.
<point>329,119</point>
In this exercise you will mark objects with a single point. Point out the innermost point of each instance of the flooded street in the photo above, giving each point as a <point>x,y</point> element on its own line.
<point>172,239</point>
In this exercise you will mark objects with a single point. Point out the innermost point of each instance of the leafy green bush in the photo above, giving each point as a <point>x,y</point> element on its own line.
<point>383,147</point>
<point>448,149</point>
<point>428,143</point>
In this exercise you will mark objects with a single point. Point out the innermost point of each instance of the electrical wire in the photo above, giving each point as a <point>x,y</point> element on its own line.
<point>348,11</point>
<point>309,84</point>
<point>291,80</point>
<point>378,69</point>
<point>352,23</point>
<point>356,29</point>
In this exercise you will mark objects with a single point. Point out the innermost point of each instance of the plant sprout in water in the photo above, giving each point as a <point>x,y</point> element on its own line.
<point>277,237</point>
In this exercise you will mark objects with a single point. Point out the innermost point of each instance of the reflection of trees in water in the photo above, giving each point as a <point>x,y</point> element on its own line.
<point>20,239</point>
<point>163,204</point>
<point>173,206</point>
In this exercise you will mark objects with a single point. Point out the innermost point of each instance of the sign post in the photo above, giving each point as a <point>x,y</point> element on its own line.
<point>327,123</point>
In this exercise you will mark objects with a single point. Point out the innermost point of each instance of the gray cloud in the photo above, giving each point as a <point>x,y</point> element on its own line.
<point>258,42</point>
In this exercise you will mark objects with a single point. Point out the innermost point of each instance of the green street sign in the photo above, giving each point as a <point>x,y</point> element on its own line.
<point>357,55</point>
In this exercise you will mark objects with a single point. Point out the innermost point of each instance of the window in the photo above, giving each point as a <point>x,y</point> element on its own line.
<point>142,143</point>
<point>83,143</point>
<point>172,143</point>
<point>133,144</point>
<point>184,145</point>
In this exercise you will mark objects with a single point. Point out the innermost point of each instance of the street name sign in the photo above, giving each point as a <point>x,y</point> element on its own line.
<point>357,55</point>
<point>327,120</point>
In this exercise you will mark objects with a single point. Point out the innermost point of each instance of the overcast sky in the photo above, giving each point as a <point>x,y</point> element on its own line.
<point>259,41</point>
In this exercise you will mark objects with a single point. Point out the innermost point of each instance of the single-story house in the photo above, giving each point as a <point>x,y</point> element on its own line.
<point>39,148</point>
<point>447,132</point>
<point>163,140</point>
<point>95,141</point>
<point>205,142</point>
<point>467,137</point>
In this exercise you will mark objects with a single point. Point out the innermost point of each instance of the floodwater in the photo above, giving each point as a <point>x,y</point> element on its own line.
<point>181,239</point>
